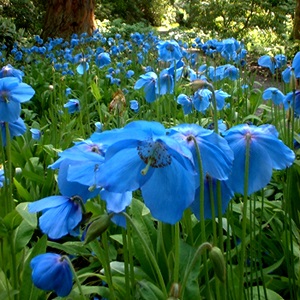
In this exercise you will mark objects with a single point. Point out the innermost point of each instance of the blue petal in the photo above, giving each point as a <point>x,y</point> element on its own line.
<point>211,185</point>
<point>69,188</point>
<point>9,111</point>
<point>168,192</point>
<point>22,93</point>
<point>60,221</point>
<point>122,172</point>
<point>48,202</point>
<point>116,202</point>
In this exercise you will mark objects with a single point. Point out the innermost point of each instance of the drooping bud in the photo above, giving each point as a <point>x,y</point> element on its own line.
<point>97,227</point>
<point>199,84</point>
<point>174,292</point>
<point>293,80</point>
<point>217,258</point>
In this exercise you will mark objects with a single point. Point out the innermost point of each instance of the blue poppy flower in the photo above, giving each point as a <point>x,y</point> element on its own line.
<point>16,128</point>
<point>271,62</point>
<point>201,99</point>
<point>232,72</point>
<point>165,84</point>
<point>103,59</point>
<point>12,94</point>
<point>147,158</point>
<point>210,194</point>
<point>99,126</point>
<point>129,73</point>
<point>286,74</point>
<point>216,155</point>
<point>82,67</point>
<point>73,106</point>
<point>51,272</point>
<point>134,105</point>
<point>274,94</point>
<point>216,74</point>
<point>36,134</point>
<point>220,98</point>
<point>267,152</point>
<point>149,82</point>
<point>268,62</point>
<point>68,91</point>
<point>9,71</point>
<point>186,102</point>
<point>83,161</point>
<point>296,64</point>
<point>169,50</point>
<point>60,215</point>
<point>292,99</point>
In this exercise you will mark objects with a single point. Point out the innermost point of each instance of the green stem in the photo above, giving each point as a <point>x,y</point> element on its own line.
<point>176,252</point>
<point>131,265</point>
<point>150,255</point>
<point>201,213</point>
<point>75,276</point>
<point>244,220</point>
<point>9,200</point>
<point>126,268</point>
<point>104,259</point>
<point>200,250</point>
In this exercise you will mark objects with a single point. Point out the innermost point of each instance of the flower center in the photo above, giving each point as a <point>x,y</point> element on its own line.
<point>154,153</point>
<point>4,96</point>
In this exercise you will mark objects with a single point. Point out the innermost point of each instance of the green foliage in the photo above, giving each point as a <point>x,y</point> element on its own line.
<point>234,18</point>
<point>26,14</point>
<point>131,11</point>
<point>110,28</point>
<point>9,33</point>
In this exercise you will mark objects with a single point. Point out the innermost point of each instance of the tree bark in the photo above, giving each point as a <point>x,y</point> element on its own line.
<point>65,17</point>
<point>296,29</point>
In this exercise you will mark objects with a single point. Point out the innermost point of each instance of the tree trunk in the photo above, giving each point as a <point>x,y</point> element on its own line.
<point>65,17</point>
<point>296,30</point>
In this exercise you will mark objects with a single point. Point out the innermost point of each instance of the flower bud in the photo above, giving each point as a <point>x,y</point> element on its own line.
<point>217,258</point>
<point>97,227</point>
<point>174,292</point>
<point>293,81</point>
<point>198,84</point>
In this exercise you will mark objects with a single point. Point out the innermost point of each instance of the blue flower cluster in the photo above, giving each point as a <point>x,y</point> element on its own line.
<point>164,165</point>
<point>289,75</point>
<point>13,92</point>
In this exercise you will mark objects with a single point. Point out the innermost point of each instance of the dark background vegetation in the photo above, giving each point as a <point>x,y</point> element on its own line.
<point>231,18</point>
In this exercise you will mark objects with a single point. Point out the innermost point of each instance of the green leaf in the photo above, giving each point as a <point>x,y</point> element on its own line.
<point>192,290</point>
<point>261,293</point>
<point>23,233</point>
<point>3,229</point>
<point>23,193</point>
<point>5,287</point>
<point>12,220</point>
<point>95,91</point>
<point>27,289</point>
<point>73,248</point>
<point>118,269</point>
<point>148,291</point>
<point>88,290</point>
<point>30,218</point>
<point>146,227</point>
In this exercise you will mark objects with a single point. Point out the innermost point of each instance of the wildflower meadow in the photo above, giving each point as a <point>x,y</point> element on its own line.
<point>148,167</point>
